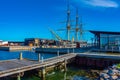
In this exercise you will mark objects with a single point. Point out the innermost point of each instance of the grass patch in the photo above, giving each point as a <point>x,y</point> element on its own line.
<point>57,76</point>
<point>118,66</point>
<point>70,73</point>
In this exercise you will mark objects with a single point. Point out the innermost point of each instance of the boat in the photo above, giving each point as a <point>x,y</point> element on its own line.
<point>62,50</point>
<point>67,46</point>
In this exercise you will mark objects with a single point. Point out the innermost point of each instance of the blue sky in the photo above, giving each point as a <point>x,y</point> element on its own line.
<point>21,19</point>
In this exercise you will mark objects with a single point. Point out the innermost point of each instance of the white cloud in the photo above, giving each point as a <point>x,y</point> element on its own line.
<point>101,3</point>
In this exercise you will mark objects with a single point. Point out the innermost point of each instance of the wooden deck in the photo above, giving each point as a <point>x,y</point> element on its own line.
<point>11,67</point>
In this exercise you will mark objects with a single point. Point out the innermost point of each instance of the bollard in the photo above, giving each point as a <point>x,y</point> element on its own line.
<point>38,57</point>
<point>21,58</point>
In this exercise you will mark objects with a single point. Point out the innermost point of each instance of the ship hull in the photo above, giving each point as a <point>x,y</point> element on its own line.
<point>62,50</point>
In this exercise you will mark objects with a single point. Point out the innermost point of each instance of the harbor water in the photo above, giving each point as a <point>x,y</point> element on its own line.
<point>5,55</point>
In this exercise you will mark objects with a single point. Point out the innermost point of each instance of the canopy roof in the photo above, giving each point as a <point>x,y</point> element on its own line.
<point>104,32</point>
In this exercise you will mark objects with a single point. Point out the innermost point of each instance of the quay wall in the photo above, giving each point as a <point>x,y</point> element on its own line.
<point>96,63</point>
<point>14,48</point>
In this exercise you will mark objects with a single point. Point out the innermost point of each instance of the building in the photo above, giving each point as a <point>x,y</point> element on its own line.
<point>15,43</point>
<point>106,40</point>
<point>3,43</point>
<point>32,41</point>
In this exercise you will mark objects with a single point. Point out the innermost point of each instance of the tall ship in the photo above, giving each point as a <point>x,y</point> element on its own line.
<point>67,46</point>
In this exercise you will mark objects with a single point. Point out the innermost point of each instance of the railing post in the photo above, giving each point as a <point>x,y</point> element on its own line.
<point>21,57</point>
<point>38,57</point>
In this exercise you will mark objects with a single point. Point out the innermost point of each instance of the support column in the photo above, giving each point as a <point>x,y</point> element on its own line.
<point>43,73</point>
<point>65,65</point>
<point>18,77</point>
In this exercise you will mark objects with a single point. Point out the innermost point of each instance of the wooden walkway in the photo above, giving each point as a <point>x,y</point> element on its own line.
<point>16,66</point>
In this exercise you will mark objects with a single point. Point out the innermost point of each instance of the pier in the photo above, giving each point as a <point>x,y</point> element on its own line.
<point>19,66</point>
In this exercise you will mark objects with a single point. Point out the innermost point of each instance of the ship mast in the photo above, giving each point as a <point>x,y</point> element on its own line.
<point>68,26</point>
<point>77,25</point>
<point>81,29</point>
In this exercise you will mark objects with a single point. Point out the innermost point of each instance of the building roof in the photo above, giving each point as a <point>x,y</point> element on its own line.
<point>104,32</point>
<point>15,41</point>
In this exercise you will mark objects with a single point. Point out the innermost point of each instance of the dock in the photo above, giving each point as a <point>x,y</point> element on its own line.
<point>18,66</point>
